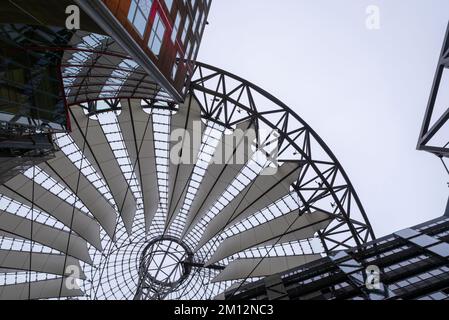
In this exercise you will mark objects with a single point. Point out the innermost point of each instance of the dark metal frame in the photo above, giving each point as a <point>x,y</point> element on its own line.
<point>322,177</point>
<point>428,132</point>
<point>225,104</point>
<point>108,22</point>
<point>326,280</point>
<point>20,39</point>
<point>149,287</point>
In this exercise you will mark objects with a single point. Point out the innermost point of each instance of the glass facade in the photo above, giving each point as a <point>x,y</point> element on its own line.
<point>48,68</point>
<point>138,14</point>
<point>411,264</point>
<point>157,35</point>
<point>31,94</point>
<point>168,31</point>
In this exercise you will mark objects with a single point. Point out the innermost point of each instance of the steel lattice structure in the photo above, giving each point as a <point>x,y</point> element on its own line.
<point>433,135</point>
<point>115,206</point>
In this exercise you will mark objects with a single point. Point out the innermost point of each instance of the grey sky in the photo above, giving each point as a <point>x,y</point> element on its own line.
<point>364,92</point>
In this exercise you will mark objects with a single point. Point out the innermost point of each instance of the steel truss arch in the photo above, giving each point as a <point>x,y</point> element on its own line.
<point>293,130</point>
<point>114,173</point>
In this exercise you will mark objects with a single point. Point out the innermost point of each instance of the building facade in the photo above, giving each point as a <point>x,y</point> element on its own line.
<point>169,32</point>
<point>412,264</point>
<point>163,36</point>
<point>122,49</point>
<point>433,137</point>
<point>56,54</point>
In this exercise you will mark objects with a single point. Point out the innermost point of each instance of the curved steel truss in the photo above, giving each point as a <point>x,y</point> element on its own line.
<point>433,137</point>
<point>117,215</point>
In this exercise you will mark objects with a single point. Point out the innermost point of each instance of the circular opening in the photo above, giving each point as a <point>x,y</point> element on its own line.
<point>165,262</point>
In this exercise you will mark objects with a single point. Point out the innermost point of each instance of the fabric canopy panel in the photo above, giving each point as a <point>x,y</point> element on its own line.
<point>137,130</point>
<point>47,289</point>
<point>66,173</point>
<point>13,226</point>
<point>21,188</point>
<point>220,175</point>
<point>290,227</point>
<point>263,191</point>
<point>253,268</point>
<point>186,124</point>
<point>40,262</point>
<point>132,176</point>
<point>103,70</point>
<point>90,138</point>
<point>84,87</point>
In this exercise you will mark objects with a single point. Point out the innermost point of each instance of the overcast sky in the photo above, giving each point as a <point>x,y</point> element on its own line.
<point>364,91</point>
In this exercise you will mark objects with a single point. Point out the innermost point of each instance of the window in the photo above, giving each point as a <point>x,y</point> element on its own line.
<point>169,4</point>
<point>186,29</point>
<point>424,241</point>
<point>157,35</point>
<point>196,20</point>
<point>194,50</point>
<point>441,249</point>
<point>174,70</point>
<point>407,234</point>
<point>138,14</point>
<point>189,46</point>
<point>202,24</point>
<point>176,28</point>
